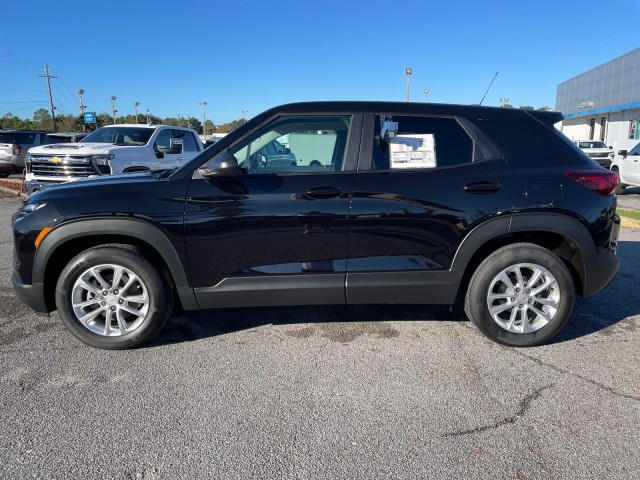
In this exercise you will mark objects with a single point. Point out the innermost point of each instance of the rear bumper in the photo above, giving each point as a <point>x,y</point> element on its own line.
<point>32,295</point>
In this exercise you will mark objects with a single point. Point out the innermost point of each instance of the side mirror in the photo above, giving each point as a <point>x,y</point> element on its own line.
<point>623,153</point>
<point>223,165</point>
<point>159,155</point>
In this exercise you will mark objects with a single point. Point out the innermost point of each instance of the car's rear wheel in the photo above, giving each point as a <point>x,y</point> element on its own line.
<point>521,295</point>
<point>113,297</point>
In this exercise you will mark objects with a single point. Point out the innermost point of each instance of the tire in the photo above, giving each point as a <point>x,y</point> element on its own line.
<point>3,175</point>
<point>119,283</point>
<point>621,187</point>
<point>509,311</point>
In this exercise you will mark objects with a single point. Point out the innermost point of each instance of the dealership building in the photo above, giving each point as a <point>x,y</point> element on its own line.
<point>604,103</point>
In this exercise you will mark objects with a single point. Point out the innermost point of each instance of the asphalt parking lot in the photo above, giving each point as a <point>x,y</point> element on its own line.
<point>324,392</point>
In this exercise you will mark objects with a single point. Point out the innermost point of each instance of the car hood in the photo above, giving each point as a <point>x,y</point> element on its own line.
<point>108,185</point>
<point>75,149</point>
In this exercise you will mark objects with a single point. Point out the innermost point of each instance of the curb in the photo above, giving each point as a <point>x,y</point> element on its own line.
<point>11,191</point>
<point>629,222</point>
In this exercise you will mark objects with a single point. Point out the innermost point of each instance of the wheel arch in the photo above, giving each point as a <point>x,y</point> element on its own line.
<point>563,235</point>
<point>67,240</point>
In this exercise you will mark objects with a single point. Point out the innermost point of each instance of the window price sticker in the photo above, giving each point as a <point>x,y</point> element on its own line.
<point>413,151</point>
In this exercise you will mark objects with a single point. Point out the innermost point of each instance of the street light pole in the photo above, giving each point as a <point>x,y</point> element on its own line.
<point>503,102</point>
<point>80,93</point>
<point>408,72</point>
<point>113,108</point>
<point>204,120</point>
<point>147,115</point>
<point>426,92</point>
<point>136,105</point>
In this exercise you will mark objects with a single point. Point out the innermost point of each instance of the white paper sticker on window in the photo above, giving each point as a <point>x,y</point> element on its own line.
<point>413,151</point>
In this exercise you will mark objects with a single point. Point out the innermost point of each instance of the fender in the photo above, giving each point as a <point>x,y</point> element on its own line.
<point>131,227</point>
<point>567,226</point>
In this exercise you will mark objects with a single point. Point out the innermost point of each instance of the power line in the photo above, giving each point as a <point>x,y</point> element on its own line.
<point>23,108</point>
<point>23,59</point>
<point>27,101</point>
<point>23,89</point>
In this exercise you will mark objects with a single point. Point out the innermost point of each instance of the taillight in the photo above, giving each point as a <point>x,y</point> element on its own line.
<point>16,149</point>
<point>603,182</point>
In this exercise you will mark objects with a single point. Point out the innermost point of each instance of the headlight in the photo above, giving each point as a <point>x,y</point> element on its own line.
<point>102,159</point>
<point>28,208</point>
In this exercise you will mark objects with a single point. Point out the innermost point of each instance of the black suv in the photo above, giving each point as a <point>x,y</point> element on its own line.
<point>408,203</point>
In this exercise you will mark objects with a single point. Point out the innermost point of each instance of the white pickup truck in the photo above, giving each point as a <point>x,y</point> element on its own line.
<point>111,150</point>
<point>627,165</point>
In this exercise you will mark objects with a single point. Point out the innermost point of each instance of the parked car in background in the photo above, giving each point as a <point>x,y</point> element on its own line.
<point>13,148</point>
<point>111,150</point>
<point>597,150</point>
<point>413,203</point>
<point>12,156</point>
<point>627,165</point>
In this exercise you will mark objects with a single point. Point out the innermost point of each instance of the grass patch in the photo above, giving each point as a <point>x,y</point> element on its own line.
<point>628,213</point>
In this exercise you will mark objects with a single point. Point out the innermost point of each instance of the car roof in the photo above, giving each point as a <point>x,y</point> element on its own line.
<point>468,111</point>
<point>144,125</point>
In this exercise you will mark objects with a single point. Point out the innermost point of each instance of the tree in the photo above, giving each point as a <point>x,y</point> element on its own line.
<point>42,120</point>
<point>69,123</point>
<point>526,107</point>
<point>546,109</point>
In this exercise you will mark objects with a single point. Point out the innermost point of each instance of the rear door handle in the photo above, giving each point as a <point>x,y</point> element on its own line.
<point>324,192</point>
<point>482,187</point>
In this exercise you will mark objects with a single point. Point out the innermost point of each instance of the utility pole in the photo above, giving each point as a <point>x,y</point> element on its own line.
<point>49,77</point>
<point>80,93</point>
<point>137,104</point>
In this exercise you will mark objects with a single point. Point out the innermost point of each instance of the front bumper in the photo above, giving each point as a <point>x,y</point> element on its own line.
<point>31,186</point>
<point>32,295</point>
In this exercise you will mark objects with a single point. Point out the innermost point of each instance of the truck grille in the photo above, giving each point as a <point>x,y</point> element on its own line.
<point>598,155</point>
<point>58,166</point>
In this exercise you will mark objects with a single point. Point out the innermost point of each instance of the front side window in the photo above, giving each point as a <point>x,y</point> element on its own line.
<point>421,143</point>
<point>295,145</point>
<point>188,140</point>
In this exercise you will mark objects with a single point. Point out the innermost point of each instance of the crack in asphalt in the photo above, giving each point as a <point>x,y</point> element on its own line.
<point>608,389</point>
<point>523,407</point>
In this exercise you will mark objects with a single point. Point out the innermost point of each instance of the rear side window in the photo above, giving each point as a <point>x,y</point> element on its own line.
<point>422,143</point>
<point>25,138</point>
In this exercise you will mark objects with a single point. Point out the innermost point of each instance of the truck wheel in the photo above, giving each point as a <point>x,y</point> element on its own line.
<point>521,295</point>
<point>621,187</point>
<point>113,297</point>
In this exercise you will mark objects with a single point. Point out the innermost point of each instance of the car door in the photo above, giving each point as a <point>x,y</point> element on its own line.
<point>170,157</point>
<point>274,234</point>
<point>417,195</point>
<point>632,166</point>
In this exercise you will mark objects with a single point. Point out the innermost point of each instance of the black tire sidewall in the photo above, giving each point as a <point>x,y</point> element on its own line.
<point>476,298</point>
<point>160,299</point>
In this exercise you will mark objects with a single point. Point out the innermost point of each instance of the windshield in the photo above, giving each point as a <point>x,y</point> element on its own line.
<point>592,145</point>
<point>120,136</point>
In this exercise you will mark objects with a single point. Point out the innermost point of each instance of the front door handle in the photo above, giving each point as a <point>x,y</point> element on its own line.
<point>324,192</point>
<point>482,187</point>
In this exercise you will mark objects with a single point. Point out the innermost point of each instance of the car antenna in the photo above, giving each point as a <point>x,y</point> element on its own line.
<point>485,93</point>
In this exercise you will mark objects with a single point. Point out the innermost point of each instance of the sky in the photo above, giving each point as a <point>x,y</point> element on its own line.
<point>243,55</point>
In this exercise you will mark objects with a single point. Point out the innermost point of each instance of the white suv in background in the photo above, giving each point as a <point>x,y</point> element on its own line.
<point>112,150</point>
<point>627,165</point>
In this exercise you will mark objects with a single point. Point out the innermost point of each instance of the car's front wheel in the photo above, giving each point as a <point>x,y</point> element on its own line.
<point>521,295</point>
<point>113,297</point>
<point>621,187</point>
